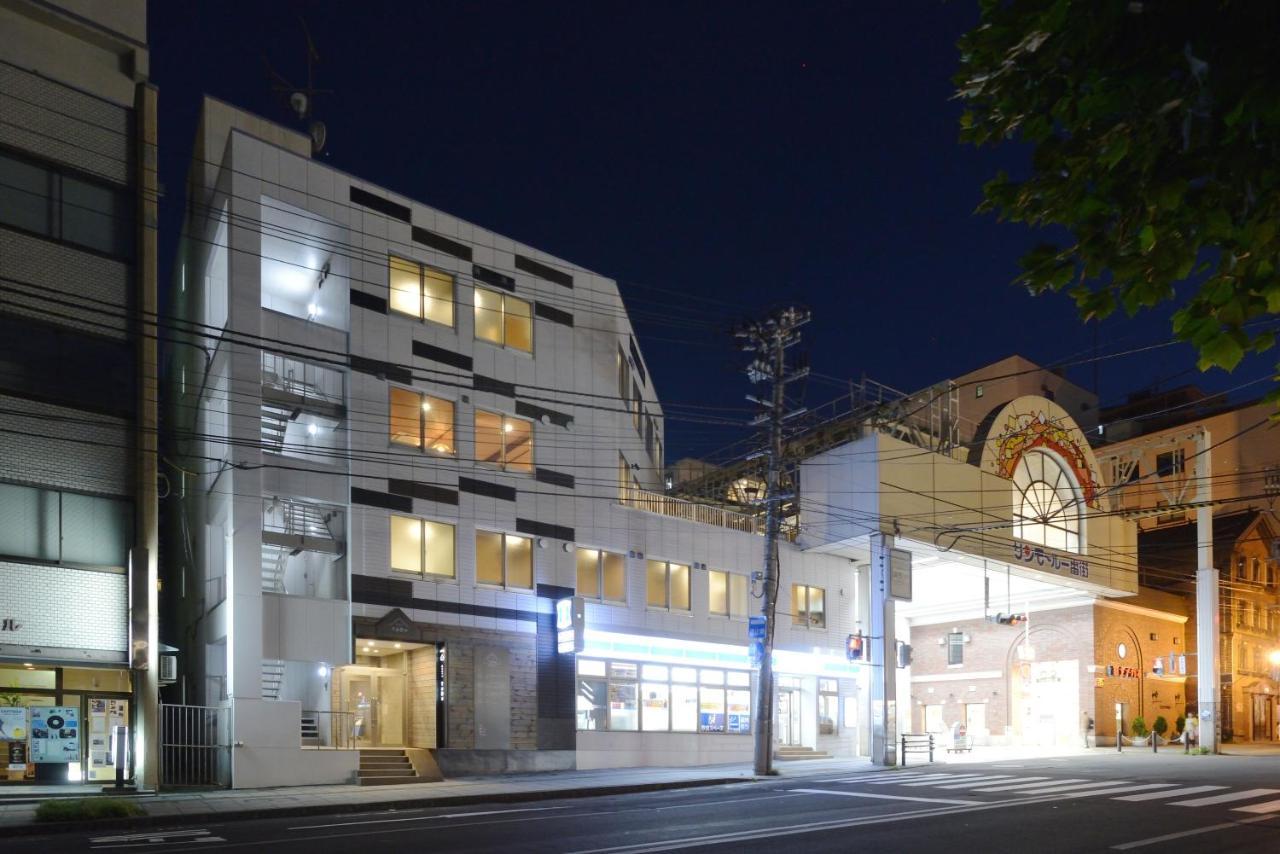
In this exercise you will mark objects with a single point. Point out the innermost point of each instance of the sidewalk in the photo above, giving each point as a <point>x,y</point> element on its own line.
<point>171,808</point>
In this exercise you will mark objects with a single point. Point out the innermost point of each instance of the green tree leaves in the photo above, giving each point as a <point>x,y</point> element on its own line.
<point>1156,135</point>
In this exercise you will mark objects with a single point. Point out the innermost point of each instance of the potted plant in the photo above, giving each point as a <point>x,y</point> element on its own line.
<point>1139,730</point>
<point>1160,727</point>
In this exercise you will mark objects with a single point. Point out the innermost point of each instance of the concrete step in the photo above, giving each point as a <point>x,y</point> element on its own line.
<point>392,781</point>
<point>387,772</point>
<point>385,763</point>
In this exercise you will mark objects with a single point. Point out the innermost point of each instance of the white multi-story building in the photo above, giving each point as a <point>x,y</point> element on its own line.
<point>406,438</point>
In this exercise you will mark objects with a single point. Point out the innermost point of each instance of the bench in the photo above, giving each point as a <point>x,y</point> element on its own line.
<point>916,743</point>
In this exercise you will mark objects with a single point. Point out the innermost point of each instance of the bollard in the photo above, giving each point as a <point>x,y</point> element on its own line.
<point>1155,736</point>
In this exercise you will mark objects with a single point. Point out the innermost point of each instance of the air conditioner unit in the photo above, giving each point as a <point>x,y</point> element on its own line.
<point>168,669</point>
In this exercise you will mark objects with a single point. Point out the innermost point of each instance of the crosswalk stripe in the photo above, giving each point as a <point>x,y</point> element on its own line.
<point>1008,787</point>
<point>894,779</point>
<point>972,784</point>
<point>952,778</point>
<point>1073,787</point>
<point>1115,789</point>
<point>1176,793</point>
<point>1259,809</point>
<point>1225,799</point>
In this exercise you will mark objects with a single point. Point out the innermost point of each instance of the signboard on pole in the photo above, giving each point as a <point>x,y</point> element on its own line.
<point>900,574</point>
<point>55,734</point>
<point>755,640</point>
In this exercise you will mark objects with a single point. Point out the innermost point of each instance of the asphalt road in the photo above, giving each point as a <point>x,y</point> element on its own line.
<point>1132,802</point>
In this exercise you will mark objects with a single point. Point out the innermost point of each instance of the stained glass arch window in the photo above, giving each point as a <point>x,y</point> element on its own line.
<point>1047,502</point>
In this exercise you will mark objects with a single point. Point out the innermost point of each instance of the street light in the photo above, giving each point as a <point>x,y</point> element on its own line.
<point>1274,658</point>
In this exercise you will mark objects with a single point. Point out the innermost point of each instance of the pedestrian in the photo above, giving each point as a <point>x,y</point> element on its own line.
<point>1086,726</point>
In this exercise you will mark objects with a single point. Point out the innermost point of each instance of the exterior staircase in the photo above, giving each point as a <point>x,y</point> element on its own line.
<point>310,731</point>
<point>275,421</point>
<point>792,753</point>
<point>386,766</point>
<point>273,558</point>
<point>272,677</point>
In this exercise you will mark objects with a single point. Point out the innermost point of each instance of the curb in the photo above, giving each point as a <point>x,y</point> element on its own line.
<point>148,822</point>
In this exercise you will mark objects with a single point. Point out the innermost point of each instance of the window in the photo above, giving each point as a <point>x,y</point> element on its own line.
<point>421,421</point>
<point>667,585</point>
<point>727,594</point>
<point>40,199</point>
<point>828,706</point>
<point>504,320</point>
<point>420,291</point>
<point>504,441</point>
<point>662,698</point>
<point>955,648</point>
<point>1169,463</point>
<point>422,547</point>
<point>1046,502</point>
<point>64,527</point>
<point>504,560</point>
<point>808,606</point>
<point>602,575</point>
<point>628,484</point>
<point>624,380</point>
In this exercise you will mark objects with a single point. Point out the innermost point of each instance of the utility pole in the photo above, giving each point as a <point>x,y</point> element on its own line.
<point>769,340</point>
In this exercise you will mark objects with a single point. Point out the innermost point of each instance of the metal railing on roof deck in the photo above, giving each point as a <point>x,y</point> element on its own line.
<point>679,508</point>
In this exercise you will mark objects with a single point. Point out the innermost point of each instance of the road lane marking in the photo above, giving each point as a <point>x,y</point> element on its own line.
<point>1260,809</point>
<point>155,834</point>
<point>1247,794</point>
<point>896,779</point>
<point>422,818</point>
<point>950,778</point>
<point>878,796</point>
<point>727,801</point>
<point>1009,787</point>
<point>1213,828</point>
<point>1075,787</point>
<point>1176,793</point>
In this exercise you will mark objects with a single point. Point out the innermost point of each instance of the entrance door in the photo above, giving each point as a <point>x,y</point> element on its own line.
<point>975,718</point>
<point>1262,729</point>
<point>788,722</point>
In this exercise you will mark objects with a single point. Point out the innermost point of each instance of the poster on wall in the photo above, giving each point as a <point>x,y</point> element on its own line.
<point>13,723</point>
<point>104,716</point>
<point>17,755</point>
<point>55,734</point>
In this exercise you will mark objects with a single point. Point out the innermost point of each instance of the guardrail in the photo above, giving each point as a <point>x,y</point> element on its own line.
<point>327,730</point>
<point>690,511</point>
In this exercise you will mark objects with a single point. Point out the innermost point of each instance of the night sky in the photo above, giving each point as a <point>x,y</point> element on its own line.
<point>715,158</point>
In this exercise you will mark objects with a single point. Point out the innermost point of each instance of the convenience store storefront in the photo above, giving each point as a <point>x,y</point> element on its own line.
<point>645,701</point>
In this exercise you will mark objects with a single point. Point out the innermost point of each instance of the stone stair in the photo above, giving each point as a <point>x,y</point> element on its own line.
<point>386,766</point>
<point>793,753</point>
<point>310,731</point>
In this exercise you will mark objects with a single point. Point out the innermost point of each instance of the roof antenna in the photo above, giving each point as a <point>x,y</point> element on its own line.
<point>301,99</point>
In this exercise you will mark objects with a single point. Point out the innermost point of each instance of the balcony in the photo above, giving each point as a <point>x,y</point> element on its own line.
<point>689,511</point>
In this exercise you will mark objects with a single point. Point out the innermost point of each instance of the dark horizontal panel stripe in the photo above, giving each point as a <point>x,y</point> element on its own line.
<point>555,315</point>
<point>368,497</point>
<point>483,383</point>
<point>441,355</point>
<point>441,243</point>
<point>374,596</point>
<point>362,300</point>
<point>635,356</point>
<point>381,370</point>
<point>425,491</point>
<point>544,529</point>
<point>553,591</point>
<point>492,277</point>
<point>530,410</point>
<point>555,478</point>
<point>393,591</point>
<point>489,490</point>
<point>379,204</point>
<point>542,271</point>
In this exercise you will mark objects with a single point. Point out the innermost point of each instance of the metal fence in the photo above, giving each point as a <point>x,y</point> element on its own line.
<point>195,748</point>
<point>334,730</point>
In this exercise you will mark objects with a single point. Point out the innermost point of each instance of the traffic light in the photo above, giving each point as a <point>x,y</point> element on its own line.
<point>1008,619</point>
<point>904,654</point>
<point>853,647</point>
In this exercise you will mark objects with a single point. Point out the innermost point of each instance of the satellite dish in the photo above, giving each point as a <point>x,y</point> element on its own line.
<point>298,101</point>
<point>318,135</point>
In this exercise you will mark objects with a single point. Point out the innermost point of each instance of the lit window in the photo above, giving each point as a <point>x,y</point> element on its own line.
<point>667,585</point>
<point>421,546</point>
<point>602,575</point>
<point>1047,502</point>
<point>661,698</point>
<point>504,441</point>
<point>420,291</point>
<point>421,421</point>
<point>727,594</point>
<point>504,560</point>
<point>808,606</point>
<point>504,320</point>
